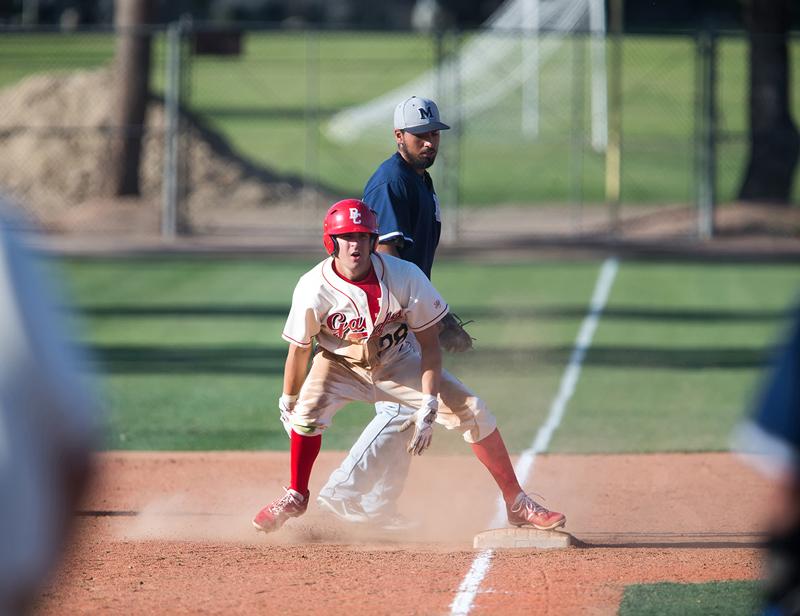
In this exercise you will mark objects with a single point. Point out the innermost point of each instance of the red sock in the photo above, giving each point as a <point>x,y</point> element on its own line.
<point>492,452</point>
<point>304,452</point>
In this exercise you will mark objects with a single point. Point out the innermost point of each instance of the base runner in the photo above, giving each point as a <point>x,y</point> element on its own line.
<point>360,306</point>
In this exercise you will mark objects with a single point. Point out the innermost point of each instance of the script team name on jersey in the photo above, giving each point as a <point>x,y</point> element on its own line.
<point>347,329</point>
<point>390,318</point>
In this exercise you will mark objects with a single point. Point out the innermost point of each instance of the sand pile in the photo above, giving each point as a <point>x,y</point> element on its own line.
<point>56,136</point>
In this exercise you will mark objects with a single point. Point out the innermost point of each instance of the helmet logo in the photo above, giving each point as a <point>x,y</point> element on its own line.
<point>355,215</point>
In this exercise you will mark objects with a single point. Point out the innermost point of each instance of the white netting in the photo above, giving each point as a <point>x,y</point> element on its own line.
<point>506,57</point>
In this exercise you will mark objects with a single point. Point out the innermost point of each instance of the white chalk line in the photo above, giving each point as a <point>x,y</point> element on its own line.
<point>470,585</point>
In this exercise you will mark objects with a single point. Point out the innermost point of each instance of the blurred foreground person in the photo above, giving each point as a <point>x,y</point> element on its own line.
<point>47,425</point>
<point>773,435</point>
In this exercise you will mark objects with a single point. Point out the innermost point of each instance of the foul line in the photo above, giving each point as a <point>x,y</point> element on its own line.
<point>470,585</point>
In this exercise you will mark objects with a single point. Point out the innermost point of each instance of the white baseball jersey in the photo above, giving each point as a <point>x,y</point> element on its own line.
<point>336,312</point>
<point>362,360</point>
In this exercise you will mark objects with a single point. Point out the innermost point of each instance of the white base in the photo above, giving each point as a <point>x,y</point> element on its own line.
<point>522,538</point>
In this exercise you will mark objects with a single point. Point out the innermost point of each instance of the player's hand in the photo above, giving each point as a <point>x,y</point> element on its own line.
<point>422,421</point>
<point>286,407</point>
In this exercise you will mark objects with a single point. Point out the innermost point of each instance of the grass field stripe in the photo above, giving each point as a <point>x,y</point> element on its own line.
<point>582,343</point>
<point>471,584</point>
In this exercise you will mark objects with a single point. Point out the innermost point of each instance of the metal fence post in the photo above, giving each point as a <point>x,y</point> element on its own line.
<point>614,147</point>
<point>705,133</point>
<point>458,128</point>
<point>530,69</point>
<point>169,214</point>
<point>577,129</point>
<point>312,116</point>
<point>447,93</point>
<point>438,61</point>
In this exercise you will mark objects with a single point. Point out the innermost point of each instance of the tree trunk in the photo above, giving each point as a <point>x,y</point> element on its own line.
<point>774,140</point>
<point>132,63</point>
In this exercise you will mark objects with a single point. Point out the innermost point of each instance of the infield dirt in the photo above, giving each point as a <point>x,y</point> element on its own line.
<point>170,533</point>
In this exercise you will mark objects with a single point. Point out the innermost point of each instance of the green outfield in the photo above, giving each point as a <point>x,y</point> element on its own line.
<point>192,359</point>
<point>712,599</point>
<point>273,102</point>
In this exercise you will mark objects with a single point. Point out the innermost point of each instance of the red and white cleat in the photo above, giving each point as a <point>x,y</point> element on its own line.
<point>527,512</point>
<point>290,505</point>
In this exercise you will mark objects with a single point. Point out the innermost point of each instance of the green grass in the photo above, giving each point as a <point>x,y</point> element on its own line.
<point>677,356</point>
<point>192,355</point>
<point>25,54</point>
<point>711,599</point>
<point>282,80</point>
<point>274,100</point>
<point>202,381</point>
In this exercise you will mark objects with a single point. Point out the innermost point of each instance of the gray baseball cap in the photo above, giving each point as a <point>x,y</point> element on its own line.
<point>418,115</point>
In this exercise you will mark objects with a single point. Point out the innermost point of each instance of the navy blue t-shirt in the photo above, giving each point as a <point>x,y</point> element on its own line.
<point>407,207</point>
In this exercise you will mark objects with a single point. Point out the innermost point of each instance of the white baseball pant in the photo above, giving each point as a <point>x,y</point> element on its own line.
<point>333,381</point>
<point>375,469</point>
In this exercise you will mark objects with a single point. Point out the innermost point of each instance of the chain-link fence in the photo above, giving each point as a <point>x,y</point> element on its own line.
<point>264,127</point>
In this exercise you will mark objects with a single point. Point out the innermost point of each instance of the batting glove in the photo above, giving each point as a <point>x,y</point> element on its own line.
<point>422,421</point>
<point>286,407</point>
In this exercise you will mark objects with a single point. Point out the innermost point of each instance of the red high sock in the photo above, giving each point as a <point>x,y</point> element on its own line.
<point>304,452</point>
<point>492,452</point>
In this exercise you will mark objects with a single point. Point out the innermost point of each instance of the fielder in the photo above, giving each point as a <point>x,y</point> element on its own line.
<point>360,307</point>
<point>366,485</point>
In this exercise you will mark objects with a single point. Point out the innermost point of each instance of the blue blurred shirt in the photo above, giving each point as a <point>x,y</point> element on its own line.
<point>777,411</point>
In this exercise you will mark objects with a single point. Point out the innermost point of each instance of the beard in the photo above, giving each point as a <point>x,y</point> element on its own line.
<point>421,161</point>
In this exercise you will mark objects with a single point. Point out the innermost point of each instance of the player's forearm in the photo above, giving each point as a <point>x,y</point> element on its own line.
<point>430,380</point>
<point>431,362</point>
<point>296,368</point>
<point>392,248</point>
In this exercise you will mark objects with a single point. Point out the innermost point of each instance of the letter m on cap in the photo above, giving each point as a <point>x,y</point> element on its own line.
<point>425,113</point>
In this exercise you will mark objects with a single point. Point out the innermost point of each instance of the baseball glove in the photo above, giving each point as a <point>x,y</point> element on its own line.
<point>453,338</point>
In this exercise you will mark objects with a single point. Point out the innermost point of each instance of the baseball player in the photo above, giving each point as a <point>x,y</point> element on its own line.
<point>367,484</point>
<point>360,307</point>
<point>48,424</point>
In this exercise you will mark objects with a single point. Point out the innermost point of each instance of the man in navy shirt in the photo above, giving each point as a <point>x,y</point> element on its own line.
<point>365,487</point>
<point>401,190</point>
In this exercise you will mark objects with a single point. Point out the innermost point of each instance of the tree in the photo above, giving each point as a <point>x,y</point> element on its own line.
<point>774,140</point>
<point>132,66</point>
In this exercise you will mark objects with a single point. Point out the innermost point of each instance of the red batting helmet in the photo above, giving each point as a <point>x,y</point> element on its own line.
<point>348,216</point>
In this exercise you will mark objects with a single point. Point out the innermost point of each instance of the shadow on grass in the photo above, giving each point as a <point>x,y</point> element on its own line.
<point>267,113</point>
<point>150,359</point>
<point>487,358</point>
<point>699,315</point>
<point>253,360</point>
<point>177,310</point>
